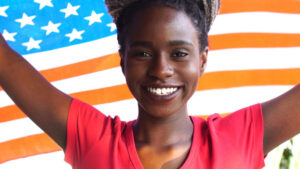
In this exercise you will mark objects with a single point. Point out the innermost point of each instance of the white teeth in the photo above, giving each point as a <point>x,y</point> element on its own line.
<point>162,91</point>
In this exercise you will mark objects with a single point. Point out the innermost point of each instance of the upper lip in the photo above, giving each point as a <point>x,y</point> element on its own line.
<point>156,85</point>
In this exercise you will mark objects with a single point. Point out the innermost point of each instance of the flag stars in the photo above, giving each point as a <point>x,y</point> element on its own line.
<point>25,20</point>
<point>94,18</point>
<point>70,10</point>
<point>9,36</point>
<point>44,3</point>
<point>112,27</point>
<point>51,28</point>
<point>32,44</point>
<point>75,35</point>
<point>2,10</point>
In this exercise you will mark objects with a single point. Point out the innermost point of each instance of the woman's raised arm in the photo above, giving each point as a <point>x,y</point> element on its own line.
<point>281,118</point>
<point>33,94</point>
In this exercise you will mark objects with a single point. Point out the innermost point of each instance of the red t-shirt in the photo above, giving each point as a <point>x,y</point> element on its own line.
<point>95,141</point>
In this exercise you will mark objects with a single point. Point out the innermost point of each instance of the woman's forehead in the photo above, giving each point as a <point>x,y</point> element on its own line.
<point>156,13</point>
<point>163,22</point>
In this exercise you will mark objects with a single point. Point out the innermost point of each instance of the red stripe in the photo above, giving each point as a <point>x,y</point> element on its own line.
<point>283,6</point>
<point>27,146</point>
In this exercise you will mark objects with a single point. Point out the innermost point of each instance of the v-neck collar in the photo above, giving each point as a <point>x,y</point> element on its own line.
<point>133,155</point>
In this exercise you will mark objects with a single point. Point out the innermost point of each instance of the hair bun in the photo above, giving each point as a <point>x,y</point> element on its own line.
<point>211,8</point>
<point>116,6</point>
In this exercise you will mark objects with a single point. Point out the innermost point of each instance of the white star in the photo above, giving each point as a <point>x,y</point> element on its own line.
<point>94,17</point>
<point>75,35</point>
<point>44,3</point>
<point>2,11</point>
<point>25,20</point>
<point>112,26</point>
<point>70,10</point>
<point>32,44</point>
<point>9,36</point>
<point>51,28</point>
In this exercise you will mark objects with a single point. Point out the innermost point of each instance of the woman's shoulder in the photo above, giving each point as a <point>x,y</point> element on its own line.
<point>242,119</point>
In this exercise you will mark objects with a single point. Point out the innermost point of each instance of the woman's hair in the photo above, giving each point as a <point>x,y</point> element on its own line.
<point>197,11</point>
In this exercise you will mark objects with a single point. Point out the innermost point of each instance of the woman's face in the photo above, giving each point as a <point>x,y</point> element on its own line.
<point>162,61</point>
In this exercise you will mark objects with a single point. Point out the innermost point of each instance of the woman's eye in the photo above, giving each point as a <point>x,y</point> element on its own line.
<point>180,54</point>
<point>142,54</point>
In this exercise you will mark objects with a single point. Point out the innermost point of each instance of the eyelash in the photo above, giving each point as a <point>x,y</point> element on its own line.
<point>176,54</point>
<point>179,54</point>
<point>142,54</point>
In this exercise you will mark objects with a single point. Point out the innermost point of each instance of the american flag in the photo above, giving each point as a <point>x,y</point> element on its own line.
<point>254,56</point>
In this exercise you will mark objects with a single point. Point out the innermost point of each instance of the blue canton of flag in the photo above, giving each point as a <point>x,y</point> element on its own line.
<point>32,26</point>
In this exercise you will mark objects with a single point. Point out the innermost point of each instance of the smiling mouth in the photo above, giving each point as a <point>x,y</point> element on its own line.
<point>162,91</point>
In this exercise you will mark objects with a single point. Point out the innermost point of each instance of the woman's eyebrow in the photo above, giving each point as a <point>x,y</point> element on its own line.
<point>141,43</point>
<point>169,43</point>
<point>179,42</point>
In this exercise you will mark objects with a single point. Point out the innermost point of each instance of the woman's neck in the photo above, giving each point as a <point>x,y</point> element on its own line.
<point>168,131</point>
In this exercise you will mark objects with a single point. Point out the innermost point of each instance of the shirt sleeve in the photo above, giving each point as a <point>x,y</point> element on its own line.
<point>243,130</point>
<point>85,126</point>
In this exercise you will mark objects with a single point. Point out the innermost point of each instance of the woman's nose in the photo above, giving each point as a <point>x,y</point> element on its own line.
<point>161,67</point>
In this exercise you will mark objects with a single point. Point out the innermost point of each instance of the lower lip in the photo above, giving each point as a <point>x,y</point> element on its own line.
<point>162,98</point>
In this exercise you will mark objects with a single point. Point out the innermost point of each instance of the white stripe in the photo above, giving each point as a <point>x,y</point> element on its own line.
<point>253,58</point>
<point>97,80</point>
<point>5,100</point>
<point>53,160</point>
<point>232,99</point>
<point>202,103</point>
<point>73,54</point>
<point>18,128</point>
<point>127,110</point>
<point>256,22</point>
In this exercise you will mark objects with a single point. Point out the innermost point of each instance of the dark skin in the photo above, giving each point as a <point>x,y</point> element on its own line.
<point>160,53</point>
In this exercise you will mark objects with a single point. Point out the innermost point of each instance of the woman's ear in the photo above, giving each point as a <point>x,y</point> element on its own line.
<point>203,60</point>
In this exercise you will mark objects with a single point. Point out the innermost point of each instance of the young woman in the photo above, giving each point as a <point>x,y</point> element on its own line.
<point>163,49</point>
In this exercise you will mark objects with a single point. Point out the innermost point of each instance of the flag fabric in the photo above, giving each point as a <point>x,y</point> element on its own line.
<point>254,56</point>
